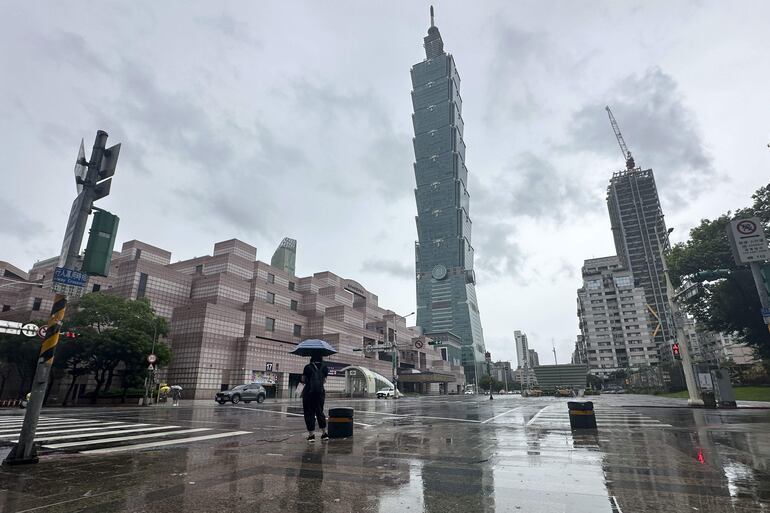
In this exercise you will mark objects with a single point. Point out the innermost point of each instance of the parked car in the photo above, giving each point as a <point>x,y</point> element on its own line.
<point>245,393</point>
<point>613,389</point>
<point>469,392</point>
<point>385,392</point>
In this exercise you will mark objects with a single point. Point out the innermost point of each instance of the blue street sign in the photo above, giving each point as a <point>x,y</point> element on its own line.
<point>766,312</point>
<point>70,277</point>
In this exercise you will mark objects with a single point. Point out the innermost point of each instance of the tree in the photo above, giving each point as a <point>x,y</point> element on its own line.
<point>728,305</point>
<point>119,332</point>
<point>19,353</point>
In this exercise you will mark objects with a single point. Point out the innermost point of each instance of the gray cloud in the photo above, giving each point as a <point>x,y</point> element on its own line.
<point>660,130</point>
<point>392,268</point>
<point>16,223</point>
<point>532,186</point>
<point>359,122</point>
<point>498,253</point>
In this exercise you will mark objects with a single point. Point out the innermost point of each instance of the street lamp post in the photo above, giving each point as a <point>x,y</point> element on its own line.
<point>488,357</point>
<point>145,400</point>
<point>394,358</point>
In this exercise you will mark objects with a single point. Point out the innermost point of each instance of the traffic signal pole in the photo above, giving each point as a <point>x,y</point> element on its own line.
<point>689,374</point>
<point>24,451</point>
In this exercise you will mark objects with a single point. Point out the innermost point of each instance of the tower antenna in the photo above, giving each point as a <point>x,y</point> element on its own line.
<point>431,17</point>
<point>630,165</point>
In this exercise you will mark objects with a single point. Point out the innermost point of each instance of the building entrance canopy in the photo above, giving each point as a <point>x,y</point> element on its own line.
<point>363,382</point>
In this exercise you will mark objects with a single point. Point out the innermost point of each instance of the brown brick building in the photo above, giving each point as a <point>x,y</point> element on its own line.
<point>234,319</point>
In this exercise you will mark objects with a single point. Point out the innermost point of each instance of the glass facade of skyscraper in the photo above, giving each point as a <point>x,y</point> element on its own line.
<point>446,294</point>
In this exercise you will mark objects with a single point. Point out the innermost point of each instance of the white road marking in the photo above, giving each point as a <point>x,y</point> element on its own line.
<point>412,416</point>
<point>110,425</point>
<point>164,443</point>
<point>536,415</point>
<point>504,413</point>
<point>120,432</point>
<point>124,438</point>
<point>52,422</point>
<point>289,414</point>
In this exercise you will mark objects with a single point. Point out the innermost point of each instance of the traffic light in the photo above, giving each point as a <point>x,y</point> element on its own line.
<point>101,241</point>
<point>675,350</point>
<point>69,334</point>
<point>765,271</point>
<point>715,274</point>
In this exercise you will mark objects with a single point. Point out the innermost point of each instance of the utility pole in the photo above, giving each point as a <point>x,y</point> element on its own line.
<point>488,357</point>
<point>93,183</point>
<point>693,391</point>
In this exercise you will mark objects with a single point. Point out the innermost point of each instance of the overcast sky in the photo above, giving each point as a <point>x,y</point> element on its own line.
<point>260,120</point>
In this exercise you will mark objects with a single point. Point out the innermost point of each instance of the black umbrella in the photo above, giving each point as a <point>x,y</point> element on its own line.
<point>314,347</point>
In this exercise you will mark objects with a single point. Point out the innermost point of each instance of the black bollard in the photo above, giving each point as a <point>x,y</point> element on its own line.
<point>581,415</point>
<point>340,422</point>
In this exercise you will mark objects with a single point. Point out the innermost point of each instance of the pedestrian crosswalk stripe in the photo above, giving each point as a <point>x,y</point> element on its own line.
<point>119,431</point>
<point>97,434</point>
<point>123,438</point>
<point>90,427</point>
<point>164,443</point>
<point>46,422</point>
<point>67,425</point>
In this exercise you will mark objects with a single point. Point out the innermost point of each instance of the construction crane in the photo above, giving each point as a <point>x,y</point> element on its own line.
<point>630,165</point>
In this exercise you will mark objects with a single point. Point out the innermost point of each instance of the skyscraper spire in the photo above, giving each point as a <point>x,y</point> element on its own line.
<point>434,45</point>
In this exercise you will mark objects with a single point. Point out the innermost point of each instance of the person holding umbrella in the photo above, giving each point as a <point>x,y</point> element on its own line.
<point>313,377</point>
<point>176,394</point>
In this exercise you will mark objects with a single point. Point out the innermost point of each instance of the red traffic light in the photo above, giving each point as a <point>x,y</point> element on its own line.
<point>69,334</point>
<point>675,350</point>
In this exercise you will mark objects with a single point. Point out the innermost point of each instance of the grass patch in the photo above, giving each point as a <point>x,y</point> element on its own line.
<point>741,394</point>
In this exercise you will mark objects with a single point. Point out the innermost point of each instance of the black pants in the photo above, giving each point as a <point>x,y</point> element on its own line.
<point>313,407</point>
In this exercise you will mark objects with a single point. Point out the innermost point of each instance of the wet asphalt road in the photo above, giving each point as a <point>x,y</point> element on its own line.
<point>445,454</point>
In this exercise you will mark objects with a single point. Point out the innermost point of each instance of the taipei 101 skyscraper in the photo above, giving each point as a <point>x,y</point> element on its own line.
<point>446,282</point>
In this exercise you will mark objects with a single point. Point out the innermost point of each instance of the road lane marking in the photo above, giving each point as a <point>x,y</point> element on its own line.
<point>124,438</point>
<point>504,413</point>
<point>291,414</point>
<point>536,415</point>
<point>164,443</point>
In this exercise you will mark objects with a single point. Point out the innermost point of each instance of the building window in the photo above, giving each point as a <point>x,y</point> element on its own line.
<point>291,285</point>
<point>297,330</point>
<point>593,284</point>
<point>138,254</point>
<point>142,285</point>
<point>270,278</point>
<point>270,298</point>
<point>443,354</point>
<point>623,282</point>
<point>269,324</point>
<point>199,269</point>
<point>6,308</point>
<point>293,305</point>
<point>36,304</point>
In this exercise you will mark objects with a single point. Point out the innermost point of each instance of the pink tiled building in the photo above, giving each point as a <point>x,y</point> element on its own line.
<point>234,319</point>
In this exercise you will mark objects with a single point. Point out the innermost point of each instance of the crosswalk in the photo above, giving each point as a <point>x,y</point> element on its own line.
<point>94,436</point>
<point>557,417</point>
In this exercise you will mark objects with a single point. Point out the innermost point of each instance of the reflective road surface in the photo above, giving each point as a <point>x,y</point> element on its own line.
<point>440,454</point>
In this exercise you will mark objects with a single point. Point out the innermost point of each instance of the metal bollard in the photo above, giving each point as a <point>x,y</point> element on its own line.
<point>340,422</point>
<point>581,415</point>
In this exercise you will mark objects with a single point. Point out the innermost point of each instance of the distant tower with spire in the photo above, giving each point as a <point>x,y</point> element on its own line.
<point>446,282</point>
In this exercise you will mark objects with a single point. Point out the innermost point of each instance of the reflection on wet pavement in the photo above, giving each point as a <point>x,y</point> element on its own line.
<point>431,454</point>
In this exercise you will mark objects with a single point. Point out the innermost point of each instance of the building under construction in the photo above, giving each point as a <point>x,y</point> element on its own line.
<point>640,235</point>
